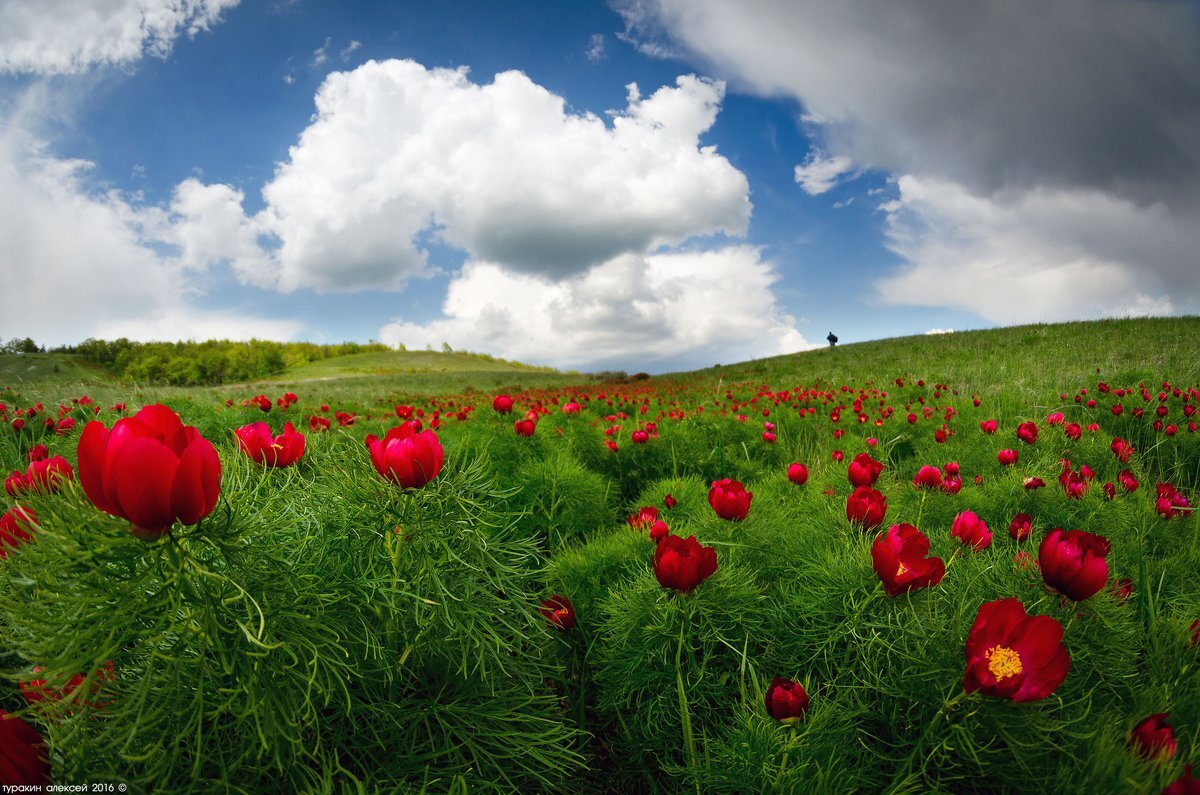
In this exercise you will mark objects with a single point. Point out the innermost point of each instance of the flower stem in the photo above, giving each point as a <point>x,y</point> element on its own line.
<point>689,743</point>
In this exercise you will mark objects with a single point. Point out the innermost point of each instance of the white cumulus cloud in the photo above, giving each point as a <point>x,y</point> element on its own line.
<point>634,312</point>
<point>71,36</point>
<point>398,154</point>
<point>819,173</point>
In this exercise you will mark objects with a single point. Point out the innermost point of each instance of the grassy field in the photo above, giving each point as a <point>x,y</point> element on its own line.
<point>328,627</point>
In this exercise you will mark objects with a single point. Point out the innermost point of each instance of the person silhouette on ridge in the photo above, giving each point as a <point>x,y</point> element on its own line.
<point>832,339</point>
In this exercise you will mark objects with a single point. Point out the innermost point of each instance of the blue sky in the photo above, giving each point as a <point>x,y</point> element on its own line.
<point>483,174</point>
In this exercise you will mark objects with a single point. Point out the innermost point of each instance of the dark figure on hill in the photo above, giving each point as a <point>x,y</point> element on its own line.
<point>832,339</point>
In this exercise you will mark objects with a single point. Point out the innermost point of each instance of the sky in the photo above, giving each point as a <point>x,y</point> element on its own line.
<point>642,185</point>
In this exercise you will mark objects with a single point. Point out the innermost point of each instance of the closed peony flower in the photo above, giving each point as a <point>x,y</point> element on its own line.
<point>644,517</point>
<point>928,477</point>
<point>786,700</point>
<point>525,427</point>
<point>256,441</point>
<point>1153,738</point>
<point>899,558</point>
<point>1011,654</point>
<point>866,506</point>
<point>16,527</point>
<point>407,456</point>
<point>502,404</point>
<point>683,563</point>
<point>729,499</point>
<point>1021,526</point>
<point>864,470</point>
<point>1007,457</point>
<point>971,531</point>
<point>797,473</point>
<point>558,612</point>
<point>1027,432</point>
<point>1073,562</point>
<point>149,469</point>
<point>988,426</point>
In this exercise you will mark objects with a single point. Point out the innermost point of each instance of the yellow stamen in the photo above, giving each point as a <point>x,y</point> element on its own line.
<point>901,571</point>
<point>1003,662</point>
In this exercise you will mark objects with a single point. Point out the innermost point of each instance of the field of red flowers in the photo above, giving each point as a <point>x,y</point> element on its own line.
<point>800,581</point>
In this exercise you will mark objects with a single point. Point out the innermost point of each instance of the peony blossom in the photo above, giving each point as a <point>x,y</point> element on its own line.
<point>729,499</point>
<point>1021,526</point>
<point>683,563</point>
<point>1011,654</point>
<point>1027,432</point>
<point>899,558</point>
<point>1007,457</point>
<point>866,506</point>
<point>988,426</point>
<point>928,477</point>
<point>786,700</point>
<point>16,527</point>
<point>1073,562</point>
<point>797,473</point>
<point>525,427</point>
<point>256,441</point>
<point>406,455</point>
<point>502,404</point>
<point>558,612</point>
<point>23,757</point>
<point>149,469</point>
<point>1153,738</point>
<point>971,531</point>
<point>864,470</point>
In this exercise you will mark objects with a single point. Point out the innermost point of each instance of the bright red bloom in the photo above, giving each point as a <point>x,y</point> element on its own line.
<point>1121,449</point>
<point>670,502</point>
<point>659,531</point>
<point>1153,738</point>
<point>318,424</point>
<point>971,531</point>
<point>39,452</point>
<point>1007,457</point>
<point>864,470</point>
<point>639,437</point>
<point>951,485</point>
<point>867,507</point>
<point>1033,483</point>
<point>645,516</point>
<point>406,455</point>
<point>899,558</point>
<point>729,499</point>
<point>1073,562</point>
<point>558,611</point>
<point>262,401</point>
<point>786,700</point>
<point>683,563</point>
<point>256,441</point>
<point>797,473</point>
<point>16,527</point>
<point>44,476</point>
<point>1021,526</point>
<point>988,426</point>
<point>36,690</point>
<point>150,469</point>
<point>1011,654</point>
<point>23,758</point>
<point>1027,432</point>
<point>928,477</point>
<point>1073,431</point>
<point>1170,502</point>
<point>502,404</point>
<point>571,408</point>
<point>525,427</point>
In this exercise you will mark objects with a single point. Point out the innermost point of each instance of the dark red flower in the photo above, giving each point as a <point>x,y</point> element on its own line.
<point>971,531</point>
<point>16,527</point>
<point>659,531</point>
<point>1021,526</point>
<point>262,401</point>
<point>1073,562</point>
<point>1033,483</point>
<point>1170,502</point>
<point>683,563</point>
<point>786,700</point>
<point>670,502</point>
<point>899,558</point>
<point>867,507</point>
<point>149,469</point>
<point>639,437</point>
<point>23,758</point>
<point>1027,432</point>
<point>1007,457</point>
<point>1153,738</point>
<point>729,499</point>
<point>1121,449</point>
<point>44,476</point>
<point>646,515</point>
<point>797,473</point>
<point>864,470</point>
<point>318,424</point>
<point>502,404</point>
<point>951,485</point>
<point>256,441</point>
<point>39,452</point>
<point>558,611</point>
<point>525,427</point>
<point>406,455</point>
<point>988,426</point>
<point>1011,654</point>
<point>1186,784</point>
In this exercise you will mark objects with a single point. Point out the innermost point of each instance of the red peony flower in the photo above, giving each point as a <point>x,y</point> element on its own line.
<point>39,452</point>
<point>256,441</point>
<point>639,437</point>
<point>659,531</point>
<point>670,502</point>
<point>645,516</point>
<point>797,473</point>
<point>502,404</point>
<point>988,426</point>
<point>45,476</point>
<point>1186,784</point>
<point>1027,432</point>
<point>149,469</point>
<point>971,531</point>
<point>1073,562</point>
<point>318,424</point>
<point>1153,738</point>
<point>951,485</point>
<point>899,558</point>
<point>558,611</point>
<point>1121,449</point>
<point>786,700</point>
<point>1033,483</point>
<point>406,455</point>
<point>1007,457</point>
<point>1170,502</point>
<point>928,477</point>
<point>682,563</point>
<point>867,507</point>
<point>1021,526</point>
<point>16,527</point>
<point>23,758</point>
<point>525,427</point>
<point>864,470</point>
<point>729,499</point>
<point>1011,654</point>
